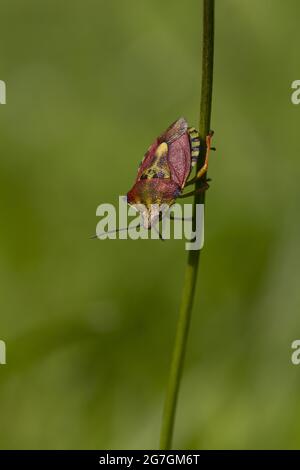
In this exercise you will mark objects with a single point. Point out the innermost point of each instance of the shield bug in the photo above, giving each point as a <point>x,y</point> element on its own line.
<point>164,171</point>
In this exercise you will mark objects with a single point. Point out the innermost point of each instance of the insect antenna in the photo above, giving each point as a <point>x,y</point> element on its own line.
<point>183,219</point>
<point>159,234</point>
<point>93,237</point>
<point>115,231</point>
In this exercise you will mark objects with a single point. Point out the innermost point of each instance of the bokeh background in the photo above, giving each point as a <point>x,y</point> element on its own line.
<point>89,325</point>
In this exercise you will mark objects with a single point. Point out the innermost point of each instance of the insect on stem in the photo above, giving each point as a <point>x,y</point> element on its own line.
<point>189,286</point>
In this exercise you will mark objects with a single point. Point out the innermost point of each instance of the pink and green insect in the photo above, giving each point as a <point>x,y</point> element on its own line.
<point>164,171</point>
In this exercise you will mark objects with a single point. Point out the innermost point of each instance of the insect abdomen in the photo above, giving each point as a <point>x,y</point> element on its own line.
<point>195,144</point>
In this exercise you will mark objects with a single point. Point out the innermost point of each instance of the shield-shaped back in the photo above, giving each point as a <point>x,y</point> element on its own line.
<point>169,157</point>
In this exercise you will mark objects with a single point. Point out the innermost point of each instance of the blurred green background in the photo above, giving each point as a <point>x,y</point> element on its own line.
<point>89,325</point>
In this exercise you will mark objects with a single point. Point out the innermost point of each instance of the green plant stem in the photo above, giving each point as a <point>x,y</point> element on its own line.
<point>193,256</point>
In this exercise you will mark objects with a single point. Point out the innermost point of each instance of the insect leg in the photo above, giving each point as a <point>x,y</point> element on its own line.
<point>203,188</point>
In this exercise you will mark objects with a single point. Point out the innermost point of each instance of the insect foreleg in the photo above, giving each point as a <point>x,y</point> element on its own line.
<point>203,188</point>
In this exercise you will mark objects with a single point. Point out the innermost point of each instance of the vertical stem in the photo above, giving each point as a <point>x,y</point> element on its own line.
<point>193,256</point>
